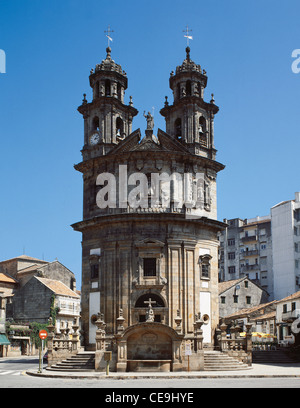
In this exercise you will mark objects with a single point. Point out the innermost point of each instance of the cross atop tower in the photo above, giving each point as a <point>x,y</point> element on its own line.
<point>187,36</point>
<point>108,32</point>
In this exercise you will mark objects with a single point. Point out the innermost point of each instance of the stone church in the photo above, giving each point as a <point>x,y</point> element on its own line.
<point>150,228</point>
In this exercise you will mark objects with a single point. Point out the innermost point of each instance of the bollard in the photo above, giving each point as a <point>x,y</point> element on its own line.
<point>107,358</point>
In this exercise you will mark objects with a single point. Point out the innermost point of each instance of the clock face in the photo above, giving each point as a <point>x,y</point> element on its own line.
<point>94,139</point>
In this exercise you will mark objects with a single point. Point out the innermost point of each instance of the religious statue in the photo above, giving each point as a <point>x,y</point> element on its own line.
<point>150,120</point>
<point>149,314</point>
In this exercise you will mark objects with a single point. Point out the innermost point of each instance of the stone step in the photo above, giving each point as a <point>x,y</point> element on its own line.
<point>231,368</point>
<point>80,360</point>
<point>76,363</point>
<point>83,361</point>
<point>213,361</point>
<point>68,369</point>
<point>84,355</point>
<point>217,361</point>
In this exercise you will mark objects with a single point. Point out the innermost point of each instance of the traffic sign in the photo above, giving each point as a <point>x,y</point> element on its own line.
<point>43,334</point>
<point>188,349</point>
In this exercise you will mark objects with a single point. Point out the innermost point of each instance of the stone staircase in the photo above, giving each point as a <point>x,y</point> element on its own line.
<point>271,357</point>
<point>83,361</point>
<point>217,361</point>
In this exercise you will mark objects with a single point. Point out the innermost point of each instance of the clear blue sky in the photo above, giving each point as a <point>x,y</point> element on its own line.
<point>51,45</point>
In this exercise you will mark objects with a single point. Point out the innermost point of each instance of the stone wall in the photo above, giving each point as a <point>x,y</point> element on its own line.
<point>242,290</point>
<point>179,283</point>
<point>56,271</point>
<point>32,302</point>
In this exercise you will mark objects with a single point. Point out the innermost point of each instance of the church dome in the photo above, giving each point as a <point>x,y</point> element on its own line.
<point>188,65</point>
<point>109,64</point>
<point>188,70</point>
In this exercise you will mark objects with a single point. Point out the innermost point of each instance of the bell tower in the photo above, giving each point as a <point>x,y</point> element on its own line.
<point>190,119</point>
<point>107,120</point>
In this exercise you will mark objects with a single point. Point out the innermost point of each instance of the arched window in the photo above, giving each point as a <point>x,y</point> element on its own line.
<point>202,132</point>
<point>178,128</point>
<point>107,88</point>
<point>204,262</point>
<point>178,91</point>
<point>199,89</point>
<point>96,123</point>
<point>188,88</point>
<point>202,124</point>
<point>96,90</point>
<point>119,91</point>
<point>119,127</point>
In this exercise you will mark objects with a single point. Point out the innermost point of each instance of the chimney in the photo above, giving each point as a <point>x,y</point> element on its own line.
<point>297,197</point>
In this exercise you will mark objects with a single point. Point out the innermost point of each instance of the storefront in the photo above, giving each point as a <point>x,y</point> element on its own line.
<point>4,343</point>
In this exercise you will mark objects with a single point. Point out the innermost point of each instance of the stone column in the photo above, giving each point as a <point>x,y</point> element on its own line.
<point>101,88</point>
<point>100,333</point>
<point>249,342</point>
<point>223,328</point>
<point>176,354</point>
<point>51,329</point>
<point>100,364</point>
<point>121,355</point>
<point>233,335</point>
<point>114,91</point>
<point>198,333</point>
<point>75,335</point>
<point>120,322</point>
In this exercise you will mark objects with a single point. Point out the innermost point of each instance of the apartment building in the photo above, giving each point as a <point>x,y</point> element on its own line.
<point>286,247</point>
<point>265,249</point>
<point>287,315</point>
<point>246,250</point>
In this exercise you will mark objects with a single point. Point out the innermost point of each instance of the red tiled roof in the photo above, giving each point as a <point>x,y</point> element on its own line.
<point>7,279</point>
<point>58,287</point>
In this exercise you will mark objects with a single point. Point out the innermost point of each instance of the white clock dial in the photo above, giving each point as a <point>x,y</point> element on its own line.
<point>94,139</point>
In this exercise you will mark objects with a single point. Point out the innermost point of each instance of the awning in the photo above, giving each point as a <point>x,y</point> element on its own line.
<point>4,340</point>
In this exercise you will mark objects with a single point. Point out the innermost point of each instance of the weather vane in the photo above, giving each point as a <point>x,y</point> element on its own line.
<point>187,36</point>
<point>108,32</point>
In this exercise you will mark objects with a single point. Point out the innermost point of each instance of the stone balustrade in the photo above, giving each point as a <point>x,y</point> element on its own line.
<point>236,346</point>
<point>62,345</point>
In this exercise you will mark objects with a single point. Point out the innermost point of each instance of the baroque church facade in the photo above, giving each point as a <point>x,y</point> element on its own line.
<point>149,265</point>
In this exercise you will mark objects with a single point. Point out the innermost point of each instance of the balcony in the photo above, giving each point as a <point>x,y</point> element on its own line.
<point>254,252</point>
<point>150,282</point>
<point>290,316</point>
<point>248,268</point>
<point>250,238</point>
